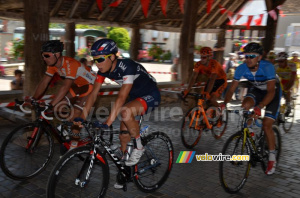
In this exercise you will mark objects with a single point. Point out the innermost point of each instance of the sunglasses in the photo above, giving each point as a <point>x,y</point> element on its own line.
<point>45,55</point>
<point>101,59</point>
<point>251,56</point>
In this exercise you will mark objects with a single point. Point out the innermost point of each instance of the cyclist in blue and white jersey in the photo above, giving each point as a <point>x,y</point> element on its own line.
<point>135,82</point>
<point>265,91</point>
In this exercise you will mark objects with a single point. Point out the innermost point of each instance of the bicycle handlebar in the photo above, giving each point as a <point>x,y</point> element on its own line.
<point>36,105</point>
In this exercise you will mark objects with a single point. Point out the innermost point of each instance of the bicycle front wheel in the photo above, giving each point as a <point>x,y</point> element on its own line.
<point>289,118</point>
<point>156,163</point>
<point>191,128</point>
<point>234,174</point>
<point>220,125</point>
<point>68,177</point>
<point>26,152</point>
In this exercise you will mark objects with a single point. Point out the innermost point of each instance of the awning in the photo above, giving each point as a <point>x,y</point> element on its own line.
<point>94,33</point>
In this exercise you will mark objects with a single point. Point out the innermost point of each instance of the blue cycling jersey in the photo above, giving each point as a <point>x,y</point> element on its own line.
<point>128,71</point>
<point>259,79</point>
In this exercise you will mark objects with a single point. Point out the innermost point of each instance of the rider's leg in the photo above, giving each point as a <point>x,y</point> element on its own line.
<point>124,137</point>
<point>267,127</point>
<point>248,103</point>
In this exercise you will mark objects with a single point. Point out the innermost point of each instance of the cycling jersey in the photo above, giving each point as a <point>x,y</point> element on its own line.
<point>72,69</point>
<point>260,78</point>
<point>285,73</point>
<point>213,68</point>
<point>128,71</point>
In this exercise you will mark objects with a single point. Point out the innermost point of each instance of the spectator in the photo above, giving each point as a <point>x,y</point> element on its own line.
<point>2,71</point>
<point>231,62</point>
<point>174,68</point>
<point>17,83</point>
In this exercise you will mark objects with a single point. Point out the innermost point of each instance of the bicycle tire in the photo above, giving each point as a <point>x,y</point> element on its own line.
<point>218,131</point>
<point>265,149</point>
<point>233,175</point>
<point>156,163</point>
<point>20,163</point>
<point>61,182</point>
<point>289,119</point>
<point>189,135</point>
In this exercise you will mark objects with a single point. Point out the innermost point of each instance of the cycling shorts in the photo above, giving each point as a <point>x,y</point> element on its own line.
<point>272,108</point>
<point>149,101</point>
<point>79,95</point>
<point>218,88</point>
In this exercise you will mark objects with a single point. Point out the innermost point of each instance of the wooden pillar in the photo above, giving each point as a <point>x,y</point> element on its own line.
<point>187,39</point>
<point>270,34</point>
<point>69,39</point>
<point>219,49</point>
<point>36,16</point>
<point>135,43</point>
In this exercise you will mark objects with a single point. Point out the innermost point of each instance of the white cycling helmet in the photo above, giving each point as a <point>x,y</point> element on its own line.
<point>295,53</point>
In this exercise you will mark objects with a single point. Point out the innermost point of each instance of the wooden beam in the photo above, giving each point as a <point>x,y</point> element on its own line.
<point>161,17</point>
<point>243,27</point>
<point>104,13</point>
<point>127,8</point>
<point>224,19</point>
<point>152,8</point>
<point>56,8</point>
<point>72,11</point>
<point>136,8</point>
<point>92,6</point>
<point>11,15</point>
<point>199,23</point>
<point>214,15</point>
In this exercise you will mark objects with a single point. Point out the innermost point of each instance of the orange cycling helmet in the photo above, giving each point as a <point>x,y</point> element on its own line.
<point>206,51</point>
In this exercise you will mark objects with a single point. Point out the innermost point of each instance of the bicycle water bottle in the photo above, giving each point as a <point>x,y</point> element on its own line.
<point>128,150</point>
<point>144,131</point>
<point>117,151</point>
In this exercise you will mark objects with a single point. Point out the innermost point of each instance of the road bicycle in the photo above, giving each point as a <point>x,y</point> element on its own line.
<point>28,149</point>
<point>233,174</point>
<point>84,171</point>
<point>198,119</point>
<point>286,118</point>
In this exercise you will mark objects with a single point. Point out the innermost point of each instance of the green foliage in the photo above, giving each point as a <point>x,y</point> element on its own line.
<point>167,56</point>
<point>83,52</point>
<point>155,51</point>
<point>57,25</point>
<point>15,49</point>
<point>92,27</point>
<point>120,36</point>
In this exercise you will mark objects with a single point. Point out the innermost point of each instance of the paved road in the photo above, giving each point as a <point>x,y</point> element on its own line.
<point>197,179</point>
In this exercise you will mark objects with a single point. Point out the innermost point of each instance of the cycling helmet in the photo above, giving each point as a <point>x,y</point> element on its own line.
<point>104,47</point>
<point>53,46</point>
<point>206,51</point>
<point>295,53</point>
<point>282,56</point>
<point>271,55</point>
<point>253,48</point>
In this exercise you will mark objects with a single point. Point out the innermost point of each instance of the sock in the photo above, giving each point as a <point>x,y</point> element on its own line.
<point>272,155</point>
<point>137,142</point>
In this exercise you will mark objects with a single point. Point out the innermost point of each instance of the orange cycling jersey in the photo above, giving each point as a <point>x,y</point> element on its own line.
<point>73,69</point>
<point>213,68</point>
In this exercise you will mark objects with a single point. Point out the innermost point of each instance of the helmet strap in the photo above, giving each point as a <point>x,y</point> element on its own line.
<point>112,62</point>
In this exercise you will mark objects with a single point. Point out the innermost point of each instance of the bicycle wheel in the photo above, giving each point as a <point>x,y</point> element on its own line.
<point>234,174</point>
<point>265,149</point>
<point>67,178</point>
<point>289,118</point>
<point>191,128</point>
<point>21,156</point>
<point>220,125</point>
<point>156,163</point>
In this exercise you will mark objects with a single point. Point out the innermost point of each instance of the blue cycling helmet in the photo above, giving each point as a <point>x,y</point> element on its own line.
<point>104,47</point>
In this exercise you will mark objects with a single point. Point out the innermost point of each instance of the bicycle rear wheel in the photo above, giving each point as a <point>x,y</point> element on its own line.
<point>220,125</point>
<point>289,118</point>
<point>265,149</point>
<point>191,128</point>
<point>233,174</point>
<point>65,180</point>
<point>24,156</point>
<point>156,163</point>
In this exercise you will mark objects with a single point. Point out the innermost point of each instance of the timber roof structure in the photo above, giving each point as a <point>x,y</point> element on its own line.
<point>128,13</point>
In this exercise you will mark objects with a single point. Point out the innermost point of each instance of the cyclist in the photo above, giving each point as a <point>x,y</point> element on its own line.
<point>213,71</point>
<point>135,82</point>
<point>296,60</point>
<point>271,57</point>
<point>265,91</point>
<point>78,81</point>
<point>287,71</point>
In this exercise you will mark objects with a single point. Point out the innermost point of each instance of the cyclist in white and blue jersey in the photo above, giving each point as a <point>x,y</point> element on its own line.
<point>265,91</point>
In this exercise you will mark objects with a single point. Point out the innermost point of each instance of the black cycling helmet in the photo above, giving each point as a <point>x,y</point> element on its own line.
<point>254,48</point>
<point>53,46</point>
<point>104,47</point>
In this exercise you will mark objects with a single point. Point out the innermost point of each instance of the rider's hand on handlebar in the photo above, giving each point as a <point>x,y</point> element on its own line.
<point>222,106</point>
<point>29,100</point>
<point>184,93</point>
<point>78,121</point>
<point>257,110</point>
<point>100,125</point>
<point>206,94</point>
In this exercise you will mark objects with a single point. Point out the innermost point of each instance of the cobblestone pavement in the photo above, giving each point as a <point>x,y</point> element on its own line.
<point>197,179</point>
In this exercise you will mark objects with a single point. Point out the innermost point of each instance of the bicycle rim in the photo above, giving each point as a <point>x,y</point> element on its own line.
<point>265,149</point>
<point>190,136</point>
<point>219,130</point>
<point>21,160</point>
<point>156,163</point>
<point>234,174</point>
<point>62,179</point>
<point>289,119</point>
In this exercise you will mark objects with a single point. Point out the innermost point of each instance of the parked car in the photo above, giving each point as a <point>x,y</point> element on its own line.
<point>143,56</point>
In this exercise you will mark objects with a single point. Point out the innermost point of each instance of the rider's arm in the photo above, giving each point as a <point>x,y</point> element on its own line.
<point>291,82</point>
<point>62,91</point>
<point>211,82</point>
<point>192,81</point>
<point>230,91</point>
<point>42,86</point>
<point>123,94</point>
<point>270,94</point>
<point>91,99</point>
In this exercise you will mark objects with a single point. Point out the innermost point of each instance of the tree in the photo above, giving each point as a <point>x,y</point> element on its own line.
<point>92,27</point>
<point>120,36</point>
